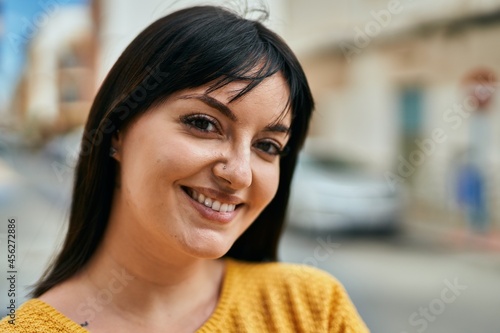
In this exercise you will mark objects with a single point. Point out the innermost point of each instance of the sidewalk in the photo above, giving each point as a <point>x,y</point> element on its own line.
<point>450,229</point>
<point>449,232</point>
<point>9,179</point>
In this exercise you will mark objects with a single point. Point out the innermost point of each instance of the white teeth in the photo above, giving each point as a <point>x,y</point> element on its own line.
<point>216,205</point>
<point>201,197</point>
<point>211,203</point>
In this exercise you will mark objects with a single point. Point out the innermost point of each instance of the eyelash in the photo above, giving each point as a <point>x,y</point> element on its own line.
<point>190,121</point>
<point>278,150</point>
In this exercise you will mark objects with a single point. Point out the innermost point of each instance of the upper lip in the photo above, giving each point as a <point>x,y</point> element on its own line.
<point>217,195</point>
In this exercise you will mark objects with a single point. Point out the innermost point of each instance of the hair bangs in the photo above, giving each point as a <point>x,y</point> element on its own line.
<point>262,62</point>
<point>259,64</point>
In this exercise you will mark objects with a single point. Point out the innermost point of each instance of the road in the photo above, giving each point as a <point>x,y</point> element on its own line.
<point>401,284</point>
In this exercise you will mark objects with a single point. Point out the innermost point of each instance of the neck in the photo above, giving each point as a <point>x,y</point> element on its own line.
<point>147,282</point>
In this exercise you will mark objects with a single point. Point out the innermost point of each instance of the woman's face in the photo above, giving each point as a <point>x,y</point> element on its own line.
<point>196,171</point>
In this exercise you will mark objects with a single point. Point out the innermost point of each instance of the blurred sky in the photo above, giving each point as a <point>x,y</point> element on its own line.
<point>21,19</point>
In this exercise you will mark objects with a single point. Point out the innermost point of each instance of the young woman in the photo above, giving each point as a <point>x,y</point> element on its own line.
<point>181,189</point>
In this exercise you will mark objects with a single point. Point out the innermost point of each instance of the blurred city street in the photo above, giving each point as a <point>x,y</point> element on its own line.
<point>398,193</point>
<point>413,281</point>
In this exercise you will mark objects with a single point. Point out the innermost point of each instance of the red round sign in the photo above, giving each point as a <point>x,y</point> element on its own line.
<point>481,85</point>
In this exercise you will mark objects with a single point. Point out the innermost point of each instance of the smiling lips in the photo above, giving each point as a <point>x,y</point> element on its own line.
<point>212,203</point>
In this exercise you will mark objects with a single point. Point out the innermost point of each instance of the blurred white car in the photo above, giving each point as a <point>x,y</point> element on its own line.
<point>332,195</point>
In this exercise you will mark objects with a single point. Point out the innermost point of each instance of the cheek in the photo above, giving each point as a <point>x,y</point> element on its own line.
<point>153,165</point>
<point>178,157</point>
<point>138,170</point>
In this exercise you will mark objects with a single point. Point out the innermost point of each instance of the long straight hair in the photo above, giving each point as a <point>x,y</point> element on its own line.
<point>189,48</point>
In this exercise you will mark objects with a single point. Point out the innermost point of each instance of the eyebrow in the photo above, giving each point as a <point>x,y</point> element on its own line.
<point>213,103</point>
<point>226,111</point>
<point>280,128</point>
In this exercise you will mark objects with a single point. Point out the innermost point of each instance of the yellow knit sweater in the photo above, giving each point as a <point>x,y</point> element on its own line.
<point>255,297</point>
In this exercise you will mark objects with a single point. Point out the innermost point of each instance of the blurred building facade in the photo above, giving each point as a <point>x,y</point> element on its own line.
<point>388,77</point>
<point>57,85</point>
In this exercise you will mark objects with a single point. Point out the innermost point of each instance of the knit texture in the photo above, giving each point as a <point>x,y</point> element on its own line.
<point>255,297</point>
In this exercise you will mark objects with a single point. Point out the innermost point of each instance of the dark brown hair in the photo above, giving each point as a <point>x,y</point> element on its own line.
<point>186,49</point>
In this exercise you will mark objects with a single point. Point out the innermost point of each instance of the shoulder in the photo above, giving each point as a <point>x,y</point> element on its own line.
<point>301,293</point>
<point>36,316</point>
<point>289,274</point>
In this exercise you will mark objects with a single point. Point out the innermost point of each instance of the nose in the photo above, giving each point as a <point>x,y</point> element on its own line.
<point>235,169</point>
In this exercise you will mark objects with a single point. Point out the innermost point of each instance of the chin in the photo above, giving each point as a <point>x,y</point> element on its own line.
<point>208,253</point>
<point>209,248</point>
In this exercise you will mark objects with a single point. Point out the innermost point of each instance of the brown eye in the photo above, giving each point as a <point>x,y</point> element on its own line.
<point>201,123</point>
<point>269,147</point>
